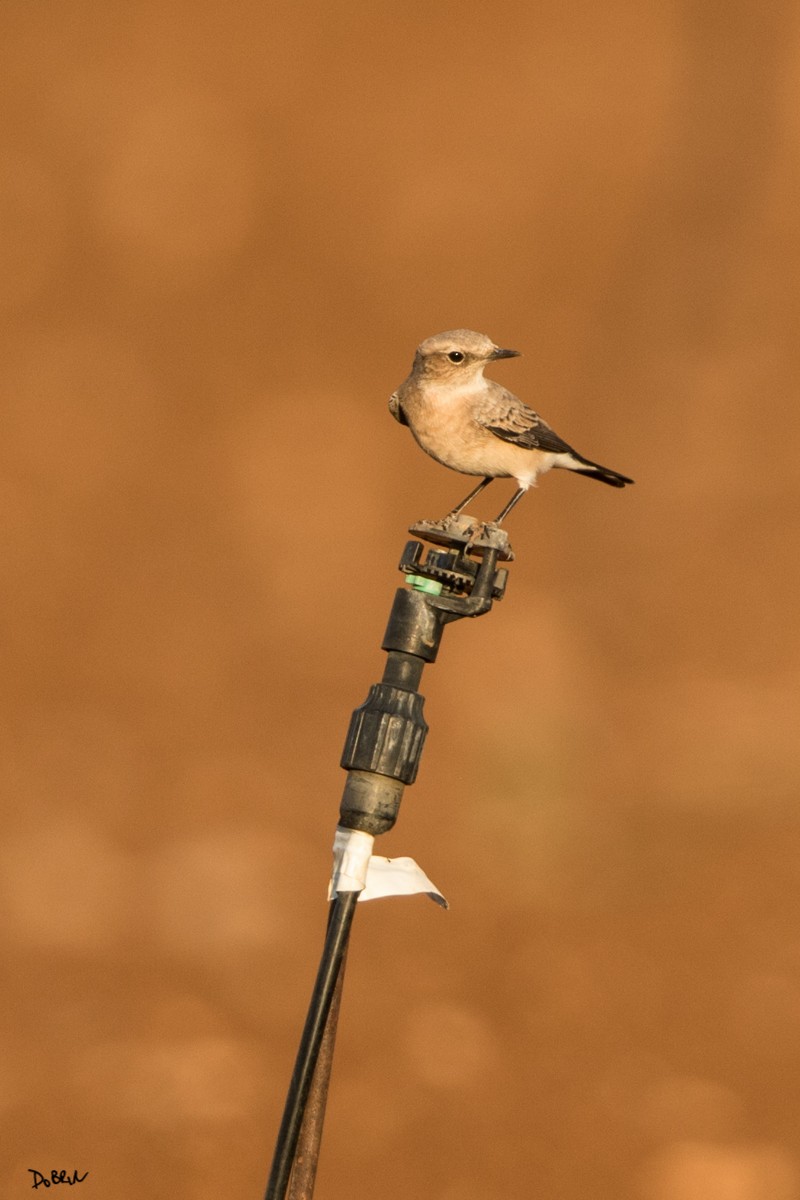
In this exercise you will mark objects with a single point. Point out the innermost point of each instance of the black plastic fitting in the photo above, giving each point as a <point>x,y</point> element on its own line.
<point>414,627</point>
<point>386,733</point>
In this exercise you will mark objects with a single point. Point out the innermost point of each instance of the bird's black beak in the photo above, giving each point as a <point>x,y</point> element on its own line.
<point>498,353</point>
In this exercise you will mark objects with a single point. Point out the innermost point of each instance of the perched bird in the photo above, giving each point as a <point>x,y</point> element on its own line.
<point>474,425</point>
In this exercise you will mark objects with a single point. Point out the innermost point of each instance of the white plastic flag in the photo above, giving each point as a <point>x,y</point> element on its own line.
<point>357,869</point>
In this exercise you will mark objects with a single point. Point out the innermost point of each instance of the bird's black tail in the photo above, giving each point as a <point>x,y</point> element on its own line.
<point>604,474</point>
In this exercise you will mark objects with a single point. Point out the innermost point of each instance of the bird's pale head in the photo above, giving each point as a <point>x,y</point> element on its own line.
<point>457,356</point>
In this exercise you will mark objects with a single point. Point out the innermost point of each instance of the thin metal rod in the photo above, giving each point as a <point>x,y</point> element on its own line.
<point>306,1157</point>
<point>333,952</point>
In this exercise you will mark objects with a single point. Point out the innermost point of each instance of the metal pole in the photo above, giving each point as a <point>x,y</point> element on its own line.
<point>306,1157</point>
<point>333,953</point>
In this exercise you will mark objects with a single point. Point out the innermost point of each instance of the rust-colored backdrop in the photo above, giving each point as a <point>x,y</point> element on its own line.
<point>224,229</point>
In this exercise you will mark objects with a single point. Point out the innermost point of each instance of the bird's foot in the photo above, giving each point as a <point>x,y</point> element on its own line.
<point>487,535</point>
<point>466,533</point>
<point>454,524</point>
<point>475,533</point>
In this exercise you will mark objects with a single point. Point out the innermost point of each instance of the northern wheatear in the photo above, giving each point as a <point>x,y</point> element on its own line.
<point>474,425</point>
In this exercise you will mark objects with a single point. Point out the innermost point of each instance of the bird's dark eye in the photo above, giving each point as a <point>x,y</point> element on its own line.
<point>456,356</point>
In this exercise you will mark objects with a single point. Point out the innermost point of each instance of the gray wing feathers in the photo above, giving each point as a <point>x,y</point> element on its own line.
<point>504,415</point>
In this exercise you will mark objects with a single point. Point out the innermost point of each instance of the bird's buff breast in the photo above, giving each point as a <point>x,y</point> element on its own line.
<point>450,436</point>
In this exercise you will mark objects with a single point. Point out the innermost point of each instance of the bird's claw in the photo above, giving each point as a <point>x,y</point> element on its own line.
<point>455,523</point>
<point>467,533</point>
<point>475,533</point>
<point>488,535</point>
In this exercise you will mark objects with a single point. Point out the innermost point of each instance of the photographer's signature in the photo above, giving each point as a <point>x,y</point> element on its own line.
<point>40,1180</point>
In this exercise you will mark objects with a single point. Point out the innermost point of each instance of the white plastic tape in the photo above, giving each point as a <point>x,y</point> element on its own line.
<point>351,854</point>
<point>357,869</point>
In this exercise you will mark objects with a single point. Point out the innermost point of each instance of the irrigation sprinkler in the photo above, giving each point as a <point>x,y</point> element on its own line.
<point>451,572</point>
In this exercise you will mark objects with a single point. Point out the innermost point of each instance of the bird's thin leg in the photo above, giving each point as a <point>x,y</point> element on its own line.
<point>475,492</point>
<point>515,499</point>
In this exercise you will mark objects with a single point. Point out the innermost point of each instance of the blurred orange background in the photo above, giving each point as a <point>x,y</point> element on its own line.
<point>223,231</point>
